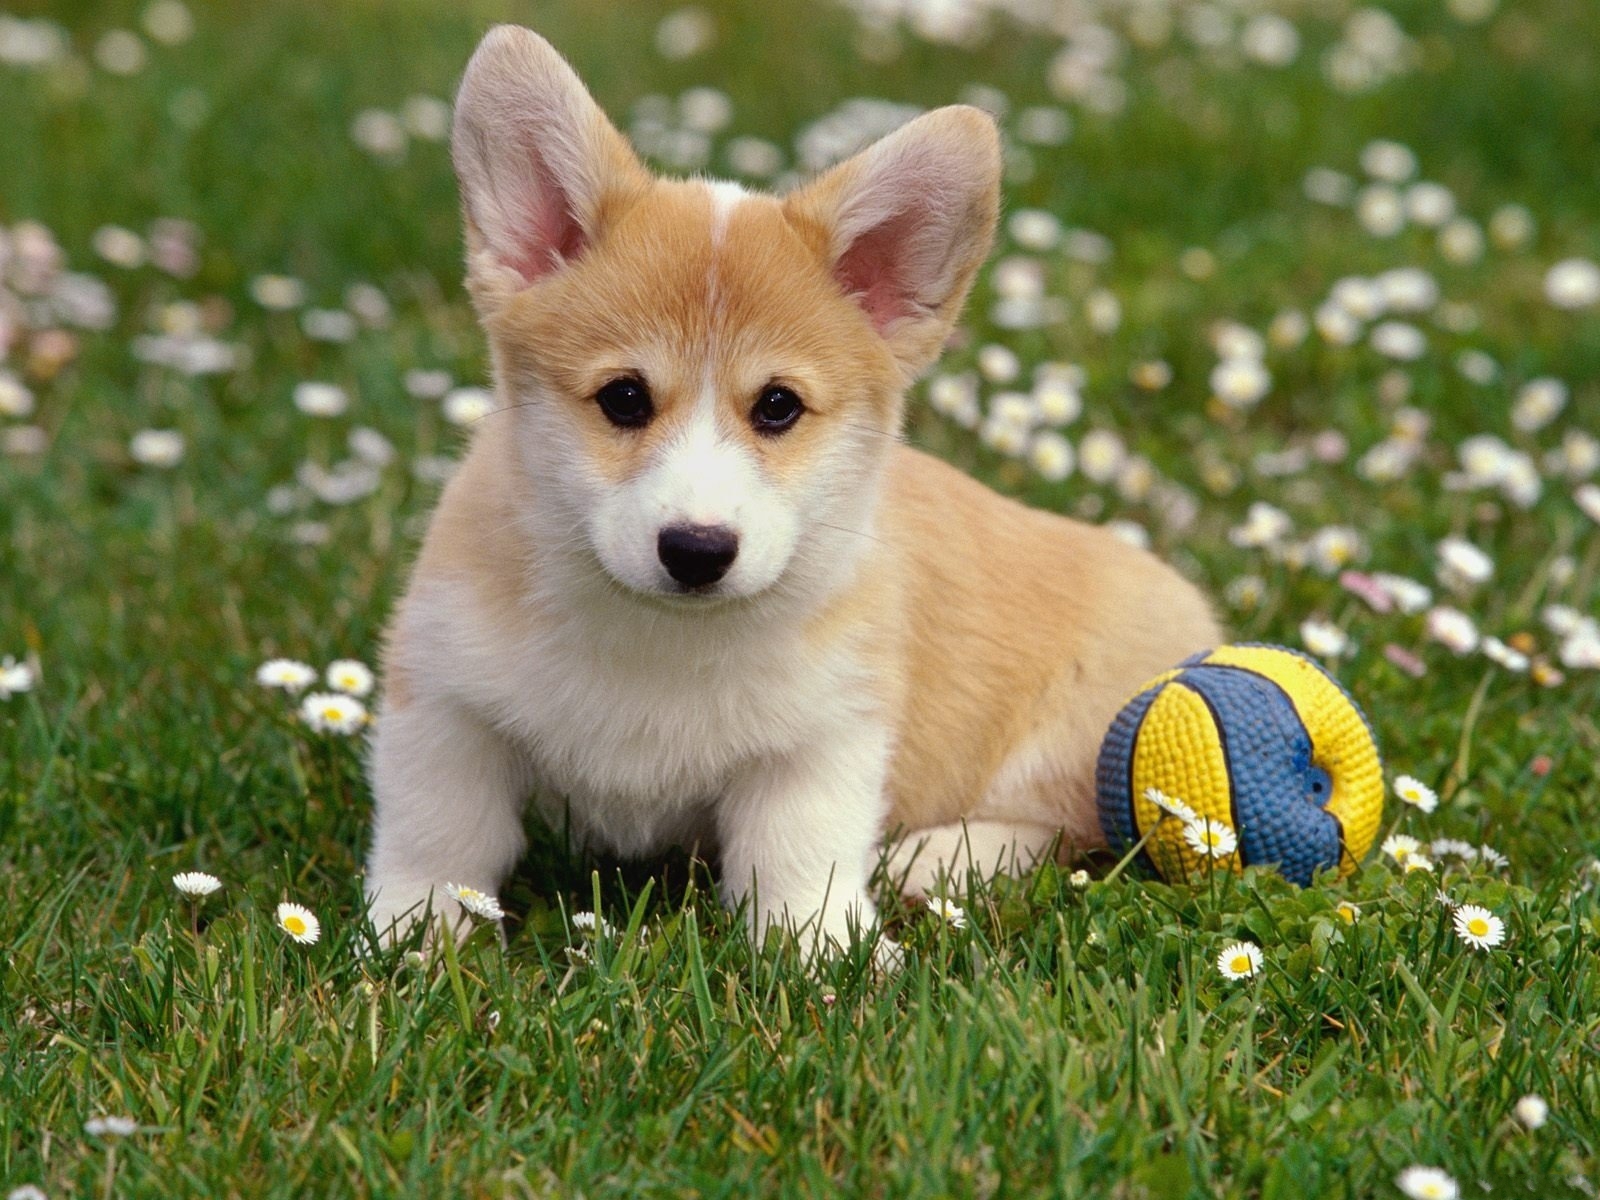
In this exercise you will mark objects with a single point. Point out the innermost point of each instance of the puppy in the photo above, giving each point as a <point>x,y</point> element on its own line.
<point>689,588</point>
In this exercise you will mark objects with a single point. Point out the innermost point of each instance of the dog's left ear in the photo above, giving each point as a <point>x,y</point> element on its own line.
<point>906,224</point>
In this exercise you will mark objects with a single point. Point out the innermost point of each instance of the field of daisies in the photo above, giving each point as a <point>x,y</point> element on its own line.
<point>1305,294</point>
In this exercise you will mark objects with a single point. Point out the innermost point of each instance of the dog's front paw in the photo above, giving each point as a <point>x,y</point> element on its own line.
<point>840,925</point>
<point>397,910</point>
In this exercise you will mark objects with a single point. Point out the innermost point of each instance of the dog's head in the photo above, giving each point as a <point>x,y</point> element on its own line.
<point>703,383</point>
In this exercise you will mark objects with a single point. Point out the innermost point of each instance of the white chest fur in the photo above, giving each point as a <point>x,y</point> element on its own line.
<point>634,720</point>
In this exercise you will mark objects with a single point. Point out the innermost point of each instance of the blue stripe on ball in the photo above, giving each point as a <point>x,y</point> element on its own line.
<point>1114,776</point>
<point>1329,676</point>
<point>1277,820</point>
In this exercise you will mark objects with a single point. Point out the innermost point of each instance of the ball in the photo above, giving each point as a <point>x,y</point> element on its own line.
<point>1259,741</point>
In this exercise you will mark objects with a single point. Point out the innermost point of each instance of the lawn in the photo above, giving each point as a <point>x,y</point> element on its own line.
<point>1316,285</point>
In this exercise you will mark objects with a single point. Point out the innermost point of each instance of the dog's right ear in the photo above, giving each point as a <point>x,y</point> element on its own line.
<point>538,162</point>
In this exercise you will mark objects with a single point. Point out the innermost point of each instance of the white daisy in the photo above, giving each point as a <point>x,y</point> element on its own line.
<point>1240,382</point>
<point>464,405</point>
<point>1101,454</point>
<point>1416,861</point>
<point>479,904</point>
<point>1334,547</point>
<point>1491,857</point>
<point>379,132</point>
<point>1051,455</point>
<point>948,911</point>
<point>1381,210</point>
<point>1427,1183</point>
<point>1479,927</point>
<point>1336,325</point>
<point>1497,651</point>
<point>15,399</point>
<point>111,1126</point>
<point>1531,1111</point>
<point>1587,498</point>
<point>285,674</point>
<point>1453,629</point>
<point>333,712</point>
<point>1538,402</point>
<point>196,883</point>
<point>998,364</point>
<point>121,51</point>
<point>1287,329</point>
<point>349,676</point>
<point>1057,402</point>
<point>1210,838</point>
<point>168,22</point>
<point>1393,162</point>
<point>587,922</point>
<point>329,325</point>
<point>1239,961</point>
<point>299,922</point>
<point>14,677</point>
<point>1511,226</point>
<point>277,292</point>
<point>1324,639</point>
<point>1398,340</point>
<point>1400,846</point>
<point>1462,566</point>
<point>159,448</point>
<point>1263,525</point>
<point>1416,793</point>
<point>1461,241</point>
<point>1171,805</point>
<point>1573,283</point>
<point>1408,595</point>
<point>320,399</point>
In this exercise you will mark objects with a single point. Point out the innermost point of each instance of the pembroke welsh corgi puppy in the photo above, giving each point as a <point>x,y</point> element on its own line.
<point>688,586</point>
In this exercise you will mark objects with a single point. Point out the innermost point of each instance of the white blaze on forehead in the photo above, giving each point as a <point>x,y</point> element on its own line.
<point>725,197</point>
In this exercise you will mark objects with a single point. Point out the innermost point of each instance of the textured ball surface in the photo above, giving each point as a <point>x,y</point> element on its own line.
<point>1259,738</point>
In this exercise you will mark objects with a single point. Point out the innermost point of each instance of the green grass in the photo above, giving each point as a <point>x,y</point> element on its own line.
<point>1071,1040</point>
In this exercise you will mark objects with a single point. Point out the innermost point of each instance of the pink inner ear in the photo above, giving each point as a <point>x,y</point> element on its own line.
<point>548,233</point>
<point>872,271</point>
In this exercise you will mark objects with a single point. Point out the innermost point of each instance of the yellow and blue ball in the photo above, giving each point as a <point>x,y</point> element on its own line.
<point>1258,738</point>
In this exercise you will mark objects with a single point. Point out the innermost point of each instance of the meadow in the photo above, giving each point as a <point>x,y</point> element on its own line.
<point>1303,293</point>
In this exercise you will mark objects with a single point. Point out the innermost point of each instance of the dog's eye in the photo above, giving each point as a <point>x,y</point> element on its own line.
<point>777,408</point>
<point>625,402</point>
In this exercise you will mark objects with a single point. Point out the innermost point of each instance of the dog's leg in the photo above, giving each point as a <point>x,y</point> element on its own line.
<point>921,863</point>
<point>448,798</point>
<point>797,835</point>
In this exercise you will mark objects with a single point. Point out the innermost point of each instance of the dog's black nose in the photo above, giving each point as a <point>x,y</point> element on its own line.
<point>697,555</point>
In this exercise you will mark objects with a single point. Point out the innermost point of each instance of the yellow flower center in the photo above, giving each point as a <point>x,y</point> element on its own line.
<point>1241,964</point>
<point>331,714</point>
<point>1478,927</point>
<point>295,925</point>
